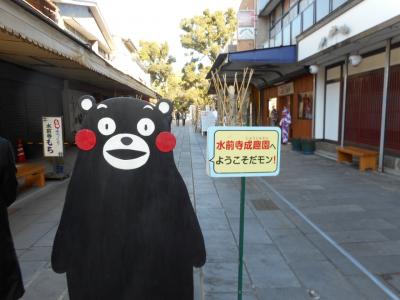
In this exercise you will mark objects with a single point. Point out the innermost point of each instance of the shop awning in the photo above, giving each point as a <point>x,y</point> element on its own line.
<point>270,64</point>
<point>278,55</point>
<point>39,44</point>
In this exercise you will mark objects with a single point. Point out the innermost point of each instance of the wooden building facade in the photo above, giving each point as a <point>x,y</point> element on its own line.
<point>297,96</point>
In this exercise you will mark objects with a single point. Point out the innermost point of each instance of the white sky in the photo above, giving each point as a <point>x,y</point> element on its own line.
<point>157,20</point>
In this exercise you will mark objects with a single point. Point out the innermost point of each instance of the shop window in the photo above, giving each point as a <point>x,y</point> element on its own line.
<point>304,4</point>
<point>278,39</point>
<point>286,20</point>
<point>293,13</point>
<point>272,32</point>
<point>296,28</point>
<point>305,109</point>
<point>322,9</point>
<point>308,17</point>
<point>337,3</point>
<point>293,2</point>
<point>286,35</point>
<point>278,26</point>
<point>272,42</point>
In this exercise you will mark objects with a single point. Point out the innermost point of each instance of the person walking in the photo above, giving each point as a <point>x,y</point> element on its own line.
<point>285,124</point>
<point>273,116</point>
<point>177,117</point>
<point>183,118</point>
<point>11,285</point>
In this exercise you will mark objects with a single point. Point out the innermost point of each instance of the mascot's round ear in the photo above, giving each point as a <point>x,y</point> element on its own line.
<point>165,106</point>
<point>87,102</point>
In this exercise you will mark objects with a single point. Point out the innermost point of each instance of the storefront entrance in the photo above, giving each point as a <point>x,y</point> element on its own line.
<point>297,97</point>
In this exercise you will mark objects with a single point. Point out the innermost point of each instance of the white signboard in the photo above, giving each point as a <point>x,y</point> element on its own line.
<point>53,144</point>
<point>208,118</point>
<point>246,33</point>
<point>243,151</point>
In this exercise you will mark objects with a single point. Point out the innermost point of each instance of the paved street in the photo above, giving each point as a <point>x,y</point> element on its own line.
<point>285,257</point>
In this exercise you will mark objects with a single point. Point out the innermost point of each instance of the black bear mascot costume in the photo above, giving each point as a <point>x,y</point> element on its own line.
<point>128,229</point>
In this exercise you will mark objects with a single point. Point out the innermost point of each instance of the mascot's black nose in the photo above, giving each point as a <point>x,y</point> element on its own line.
<point>126,140</point>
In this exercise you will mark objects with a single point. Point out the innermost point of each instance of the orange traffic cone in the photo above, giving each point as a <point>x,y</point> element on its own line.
<point>20,152</point>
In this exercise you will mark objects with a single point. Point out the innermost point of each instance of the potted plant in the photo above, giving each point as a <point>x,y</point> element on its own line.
<point>308,146</point>
<point>296,144</point>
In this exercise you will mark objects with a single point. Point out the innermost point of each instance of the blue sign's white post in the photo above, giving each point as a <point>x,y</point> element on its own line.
<point>243,152</point>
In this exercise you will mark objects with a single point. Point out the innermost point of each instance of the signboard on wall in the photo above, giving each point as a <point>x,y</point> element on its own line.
<point>53,144</point>
<point>243,151</point>
<point>286,89</point>
<point>246,33</point>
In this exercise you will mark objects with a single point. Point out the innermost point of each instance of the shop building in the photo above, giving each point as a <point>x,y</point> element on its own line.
<point>355,53</point>
<point>343,87</point>
<point>268,29</point>
<point>47,63</point>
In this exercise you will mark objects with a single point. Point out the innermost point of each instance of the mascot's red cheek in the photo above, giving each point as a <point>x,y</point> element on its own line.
<point>165,141</point>
<point>85,139</point>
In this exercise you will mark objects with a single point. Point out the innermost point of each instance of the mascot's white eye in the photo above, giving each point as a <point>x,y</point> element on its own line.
<point>106,126</point>
<point>145,126</point>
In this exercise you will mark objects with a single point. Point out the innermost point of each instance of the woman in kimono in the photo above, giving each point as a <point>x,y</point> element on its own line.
<point>285,124</point>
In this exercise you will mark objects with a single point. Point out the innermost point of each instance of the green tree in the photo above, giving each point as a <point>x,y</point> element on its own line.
<point>194,83</point>
<point>208,33</point>
<point>173,87</point>
<point>204,36</point>
<point>155,56</point>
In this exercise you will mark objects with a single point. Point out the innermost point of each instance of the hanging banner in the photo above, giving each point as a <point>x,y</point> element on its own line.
<point>53,144</point>
<point>243,151</point>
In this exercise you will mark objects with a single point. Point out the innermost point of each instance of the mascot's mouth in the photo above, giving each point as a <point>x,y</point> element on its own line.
<point>126,157</point>
<point>126,153</point>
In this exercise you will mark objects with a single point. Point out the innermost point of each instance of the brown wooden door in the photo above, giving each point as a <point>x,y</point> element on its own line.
<point>364,108</point>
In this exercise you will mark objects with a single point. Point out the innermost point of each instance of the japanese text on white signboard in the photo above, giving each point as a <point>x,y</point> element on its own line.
<point>52,137</point>
<point>243,151</point>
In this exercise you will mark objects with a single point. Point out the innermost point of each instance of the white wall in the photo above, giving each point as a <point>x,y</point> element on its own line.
<point>332,111</point>
<point>365,15</point>
<point>319,104</point>
<point>83,21</point>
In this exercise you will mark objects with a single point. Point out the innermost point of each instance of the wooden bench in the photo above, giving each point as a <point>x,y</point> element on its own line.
<point>368,158</point>
<point>32,173</point>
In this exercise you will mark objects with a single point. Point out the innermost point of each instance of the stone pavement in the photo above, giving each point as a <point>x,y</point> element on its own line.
<point>359,210</point>
<point>284,256</point>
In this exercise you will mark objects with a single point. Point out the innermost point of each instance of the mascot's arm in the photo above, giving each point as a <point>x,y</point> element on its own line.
<point>194,235</point>
<point>60,254</point>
